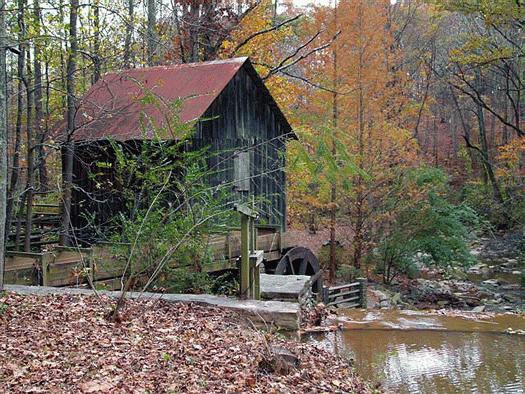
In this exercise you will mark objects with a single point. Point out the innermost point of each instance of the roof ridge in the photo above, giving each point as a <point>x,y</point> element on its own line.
<point>240,60</point>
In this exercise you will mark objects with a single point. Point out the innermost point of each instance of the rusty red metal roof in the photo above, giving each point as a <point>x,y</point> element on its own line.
<point>115,105</point>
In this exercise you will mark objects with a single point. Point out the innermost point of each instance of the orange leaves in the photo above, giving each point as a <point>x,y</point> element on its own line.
<point>511,159</point>
<point>262,47</point>
<point>363,154</point>
<point>513,151</point>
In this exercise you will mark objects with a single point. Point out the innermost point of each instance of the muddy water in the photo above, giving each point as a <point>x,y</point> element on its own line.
<point>503,277</point>
<point>410,352</point>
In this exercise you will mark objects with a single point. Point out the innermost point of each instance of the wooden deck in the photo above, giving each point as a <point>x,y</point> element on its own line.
<point>68,266</point>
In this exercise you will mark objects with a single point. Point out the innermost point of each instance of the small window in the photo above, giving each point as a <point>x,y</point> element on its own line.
<point>241,171</point>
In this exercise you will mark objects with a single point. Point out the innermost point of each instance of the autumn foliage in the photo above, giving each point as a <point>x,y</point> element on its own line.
<point>375,90</point>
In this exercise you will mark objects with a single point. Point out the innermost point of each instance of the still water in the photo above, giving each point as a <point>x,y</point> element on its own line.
<point>410,352</point>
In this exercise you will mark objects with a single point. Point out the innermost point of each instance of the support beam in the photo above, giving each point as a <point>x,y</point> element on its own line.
<point>245,256</point>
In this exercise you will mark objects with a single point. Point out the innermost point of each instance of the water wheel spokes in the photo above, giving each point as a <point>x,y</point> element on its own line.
<point>300,261</point>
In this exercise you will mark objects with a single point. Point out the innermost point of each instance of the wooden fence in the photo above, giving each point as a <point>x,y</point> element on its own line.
<point>59,267</point>
<point>352,295</point>
<point>68,266</point>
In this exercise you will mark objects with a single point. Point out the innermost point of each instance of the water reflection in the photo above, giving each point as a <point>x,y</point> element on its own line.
<point>434,361</point>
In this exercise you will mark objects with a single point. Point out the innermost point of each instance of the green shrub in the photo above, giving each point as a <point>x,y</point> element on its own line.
<point>348,273</point>
<point>429,231</point>
<point>412,271</point>
<point>170,212</point>
<point>185,282</point>
<point>505,215</point>
<point>226,284</point>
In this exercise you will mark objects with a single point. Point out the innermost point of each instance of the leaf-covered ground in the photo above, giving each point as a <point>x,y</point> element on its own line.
<point>64,344</point>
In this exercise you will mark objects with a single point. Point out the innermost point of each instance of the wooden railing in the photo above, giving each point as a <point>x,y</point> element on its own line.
<point>353,295</point>
<point>60,267</point>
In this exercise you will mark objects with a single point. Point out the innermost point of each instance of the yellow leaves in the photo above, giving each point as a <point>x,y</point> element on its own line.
<point>511,158</point>
<point>262,46</point>
<point>480,50</point>
<point>265,50</point>
<point>227,45</point>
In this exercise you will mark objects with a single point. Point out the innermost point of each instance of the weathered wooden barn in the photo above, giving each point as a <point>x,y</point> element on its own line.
<point>233,110</point>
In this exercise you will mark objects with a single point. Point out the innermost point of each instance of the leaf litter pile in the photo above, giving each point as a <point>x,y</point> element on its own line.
<point>65,344</point>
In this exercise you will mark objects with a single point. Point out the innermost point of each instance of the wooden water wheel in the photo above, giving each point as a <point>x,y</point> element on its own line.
<point>300,261</point>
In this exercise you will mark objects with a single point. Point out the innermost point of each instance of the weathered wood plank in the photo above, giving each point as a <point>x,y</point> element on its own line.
<point>350,305</point>
<point>23,276</point>
<point>22,261</point>
<point>345,293</point>
<point>354,284</point>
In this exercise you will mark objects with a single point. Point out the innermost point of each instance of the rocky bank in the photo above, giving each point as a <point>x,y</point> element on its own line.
<point>493,284</point>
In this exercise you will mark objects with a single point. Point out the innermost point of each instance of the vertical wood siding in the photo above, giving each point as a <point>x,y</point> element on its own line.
<point>241,118</point>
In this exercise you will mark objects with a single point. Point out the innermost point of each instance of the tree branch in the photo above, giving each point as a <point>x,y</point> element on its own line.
<point>260,32</point>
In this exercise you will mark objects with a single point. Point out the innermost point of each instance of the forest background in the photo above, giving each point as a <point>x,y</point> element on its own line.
<point>408,113</point>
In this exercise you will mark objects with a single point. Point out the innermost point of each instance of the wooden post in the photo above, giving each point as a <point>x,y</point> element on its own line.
<point>362,293</point>
<point>228,246</point>
<point>253,230</point>
<point>247,274</point>
<point>44,264</point>
<point>325,295</point>
<point>256,294</point>
<point>256,262</point>
<point>91,265</point>
<point>245,256</point>
<point>252,279</point>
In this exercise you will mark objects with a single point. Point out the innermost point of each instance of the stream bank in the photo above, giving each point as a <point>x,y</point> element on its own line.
<point>455,331</point>
<point>493,284</point>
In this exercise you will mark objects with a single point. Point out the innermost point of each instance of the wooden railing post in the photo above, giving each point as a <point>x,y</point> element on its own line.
<point>256,261</point>
<point>326,293</point>
<point>362,287</point>
<point>44,264</point>
<point>245,256</point>
<point>250,258</point>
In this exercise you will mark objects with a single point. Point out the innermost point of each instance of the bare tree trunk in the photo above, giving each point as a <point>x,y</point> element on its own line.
<point>129,34</point>
<point>194,31</point>
<point>466,129</point>
<point>30,163</point>
<point>151,34</point>
<point>333,191</point>
<point>97,59</point>
<point>3,141</point>
<point>427,90</point>
<point>179,32</point>
<point>15,172</point>
<point>39,131</point>
<point>505,132</point>
<point>454,136</point>
<point>360,197</point>
<point>63,82</point>
<point>485,154</point>
<point>435,150</point>
<point>69,147</point>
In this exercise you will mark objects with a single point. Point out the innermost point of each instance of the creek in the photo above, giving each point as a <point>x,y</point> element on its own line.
<point>417,352</point>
